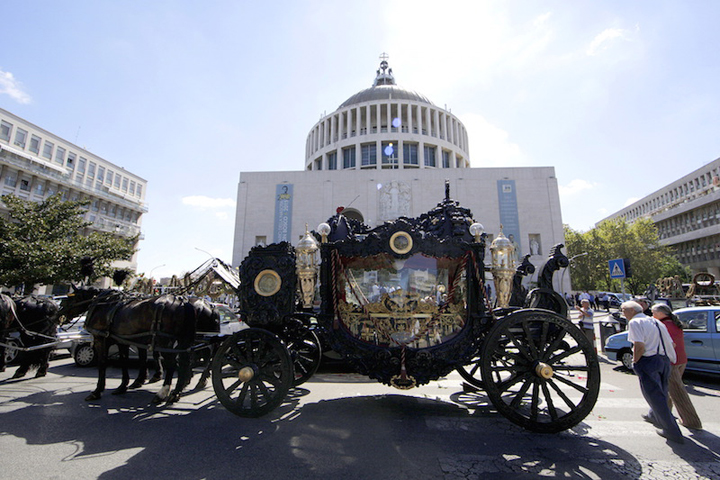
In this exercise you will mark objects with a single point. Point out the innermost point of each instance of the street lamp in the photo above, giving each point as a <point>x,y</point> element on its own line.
<point>562,276</point>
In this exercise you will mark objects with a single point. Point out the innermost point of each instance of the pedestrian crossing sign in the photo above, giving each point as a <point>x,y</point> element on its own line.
<point>617,268</point>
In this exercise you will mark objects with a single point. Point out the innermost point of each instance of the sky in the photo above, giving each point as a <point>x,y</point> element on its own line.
<point>620,97</point>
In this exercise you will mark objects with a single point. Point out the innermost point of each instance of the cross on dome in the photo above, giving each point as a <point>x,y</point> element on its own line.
<point>384,73</point>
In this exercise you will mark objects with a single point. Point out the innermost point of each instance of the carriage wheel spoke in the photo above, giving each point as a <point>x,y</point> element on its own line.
<point>521,348</point>
<point>264,389</point>
<point>565,354</point>
<point>530,342</point>
<point>549,401</point>
<point>243,393</point>
<point>504,386</point>
<point>534,402</point>
<point>521,393</point>
<point>567,382</point>
<point>233,386</point>
<point>562,395</point>
<point>554,344</point>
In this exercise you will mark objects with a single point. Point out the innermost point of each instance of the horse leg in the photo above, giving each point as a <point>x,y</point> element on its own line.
<point>102,350</point>
<point>168,360</point>
<point>44,363</point>
<point>124,351</point>
<point>158,368</point>
<point>184,377</point>
<point>2,352</point>
<point>142,373</point>
<point>206,368</point>
<point>22,368</point>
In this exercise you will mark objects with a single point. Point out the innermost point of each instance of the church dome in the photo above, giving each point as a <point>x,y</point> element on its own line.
<point>384,88</point>
<point>387,127</point>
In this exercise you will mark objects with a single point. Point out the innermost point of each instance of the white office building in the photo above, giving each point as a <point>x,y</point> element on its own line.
<point>687,215</point>
<point>385,153</point>
<point>35,164</point>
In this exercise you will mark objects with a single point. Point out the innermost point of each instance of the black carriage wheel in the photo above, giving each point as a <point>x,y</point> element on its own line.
<point>306,353</point>
<point>252,372</point>
<point>540,371</point>
<point>472,372</point>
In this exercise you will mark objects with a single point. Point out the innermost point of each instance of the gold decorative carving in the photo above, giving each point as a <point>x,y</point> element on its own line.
<point>403,318</point>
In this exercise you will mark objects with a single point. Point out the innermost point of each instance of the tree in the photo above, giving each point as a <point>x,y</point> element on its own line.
<point>43,242</point>
<point>613,239</point>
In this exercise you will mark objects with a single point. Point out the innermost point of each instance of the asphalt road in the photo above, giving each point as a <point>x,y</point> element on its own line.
<point>337,425</point>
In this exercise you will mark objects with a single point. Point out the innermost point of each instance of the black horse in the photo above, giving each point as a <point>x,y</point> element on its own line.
<point>35,319</point>
<point>165,323</point>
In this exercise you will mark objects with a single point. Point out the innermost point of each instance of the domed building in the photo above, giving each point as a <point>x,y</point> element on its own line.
<point>386,152</point>
<point>386,126</point>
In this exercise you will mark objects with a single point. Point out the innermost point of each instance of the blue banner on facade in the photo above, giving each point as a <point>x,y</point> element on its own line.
<point>283,212</point>
<point>509,217</point>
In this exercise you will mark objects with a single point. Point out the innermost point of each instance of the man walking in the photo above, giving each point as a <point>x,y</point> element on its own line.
<point>653,352</point>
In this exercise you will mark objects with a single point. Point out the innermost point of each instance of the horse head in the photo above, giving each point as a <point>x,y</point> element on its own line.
<point>78,300</point>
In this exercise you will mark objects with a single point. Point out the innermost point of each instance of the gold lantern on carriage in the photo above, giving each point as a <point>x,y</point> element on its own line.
<point>502,252</point>
<point>307,267</point>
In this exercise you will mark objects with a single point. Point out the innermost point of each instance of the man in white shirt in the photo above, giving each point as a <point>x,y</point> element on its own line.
<point>653,351</point>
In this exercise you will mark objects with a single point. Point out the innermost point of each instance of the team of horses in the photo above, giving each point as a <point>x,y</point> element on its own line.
<point>167,325</point>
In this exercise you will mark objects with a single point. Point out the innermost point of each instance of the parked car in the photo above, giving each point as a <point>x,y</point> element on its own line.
<point>79,342</point>
<point>701,327</point>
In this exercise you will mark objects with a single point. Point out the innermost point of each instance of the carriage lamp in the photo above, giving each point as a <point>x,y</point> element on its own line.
<point>503,268</point>
<point>324,230</point>
<point>307,266</point>
<point>476,230</point>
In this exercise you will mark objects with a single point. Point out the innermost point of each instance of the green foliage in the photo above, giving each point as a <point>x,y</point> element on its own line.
<point>613,239</point>
<point>42,243</point>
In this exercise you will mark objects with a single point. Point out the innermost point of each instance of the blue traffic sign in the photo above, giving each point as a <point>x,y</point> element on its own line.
<point>617,268</point>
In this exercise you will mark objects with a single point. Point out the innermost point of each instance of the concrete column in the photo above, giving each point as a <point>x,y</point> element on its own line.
<point>436,119</point>
<point>400,157</point>
<point>428,125</point>
<point>409,118</point>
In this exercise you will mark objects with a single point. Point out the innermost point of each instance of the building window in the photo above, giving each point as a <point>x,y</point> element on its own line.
<point>60,155</point>
<point>368,154</point>
<point>35,144</point>
<point>124,184</point>
<point>39,188</point>
<point>349,157</point>
<point>11,179</point>
<point>445,159</point>
<point>332,161</point>
<point>91,170</point>
<point>81,166</point>
<point>101,174</point>
<point>429,153</point>
<point>118,177</point>
<point>25,185</point>
<point>410,154</point>
<point>5,128</point>
<point>132,188</point>
<point>138,191</point>
<point>71,160</point>
<point>48,150</point>
<point>20,137</point>
<point>389,153</point>
<point>318,163</point>
<point>109,178</point>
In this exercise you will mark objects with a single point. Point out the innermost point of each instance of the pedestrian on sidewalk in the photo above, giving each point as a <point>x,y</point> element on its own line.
<point>652,354</point>
<point>586,321</point>
<point>678,394</point>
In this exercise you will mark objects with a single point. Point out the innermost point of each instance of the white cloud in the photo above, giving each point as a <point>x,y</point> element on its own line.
<point>575,186</point>
<point>604,39</point>
<point>10,86</point>
<point>201,201</point>
<point>491,145</point>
